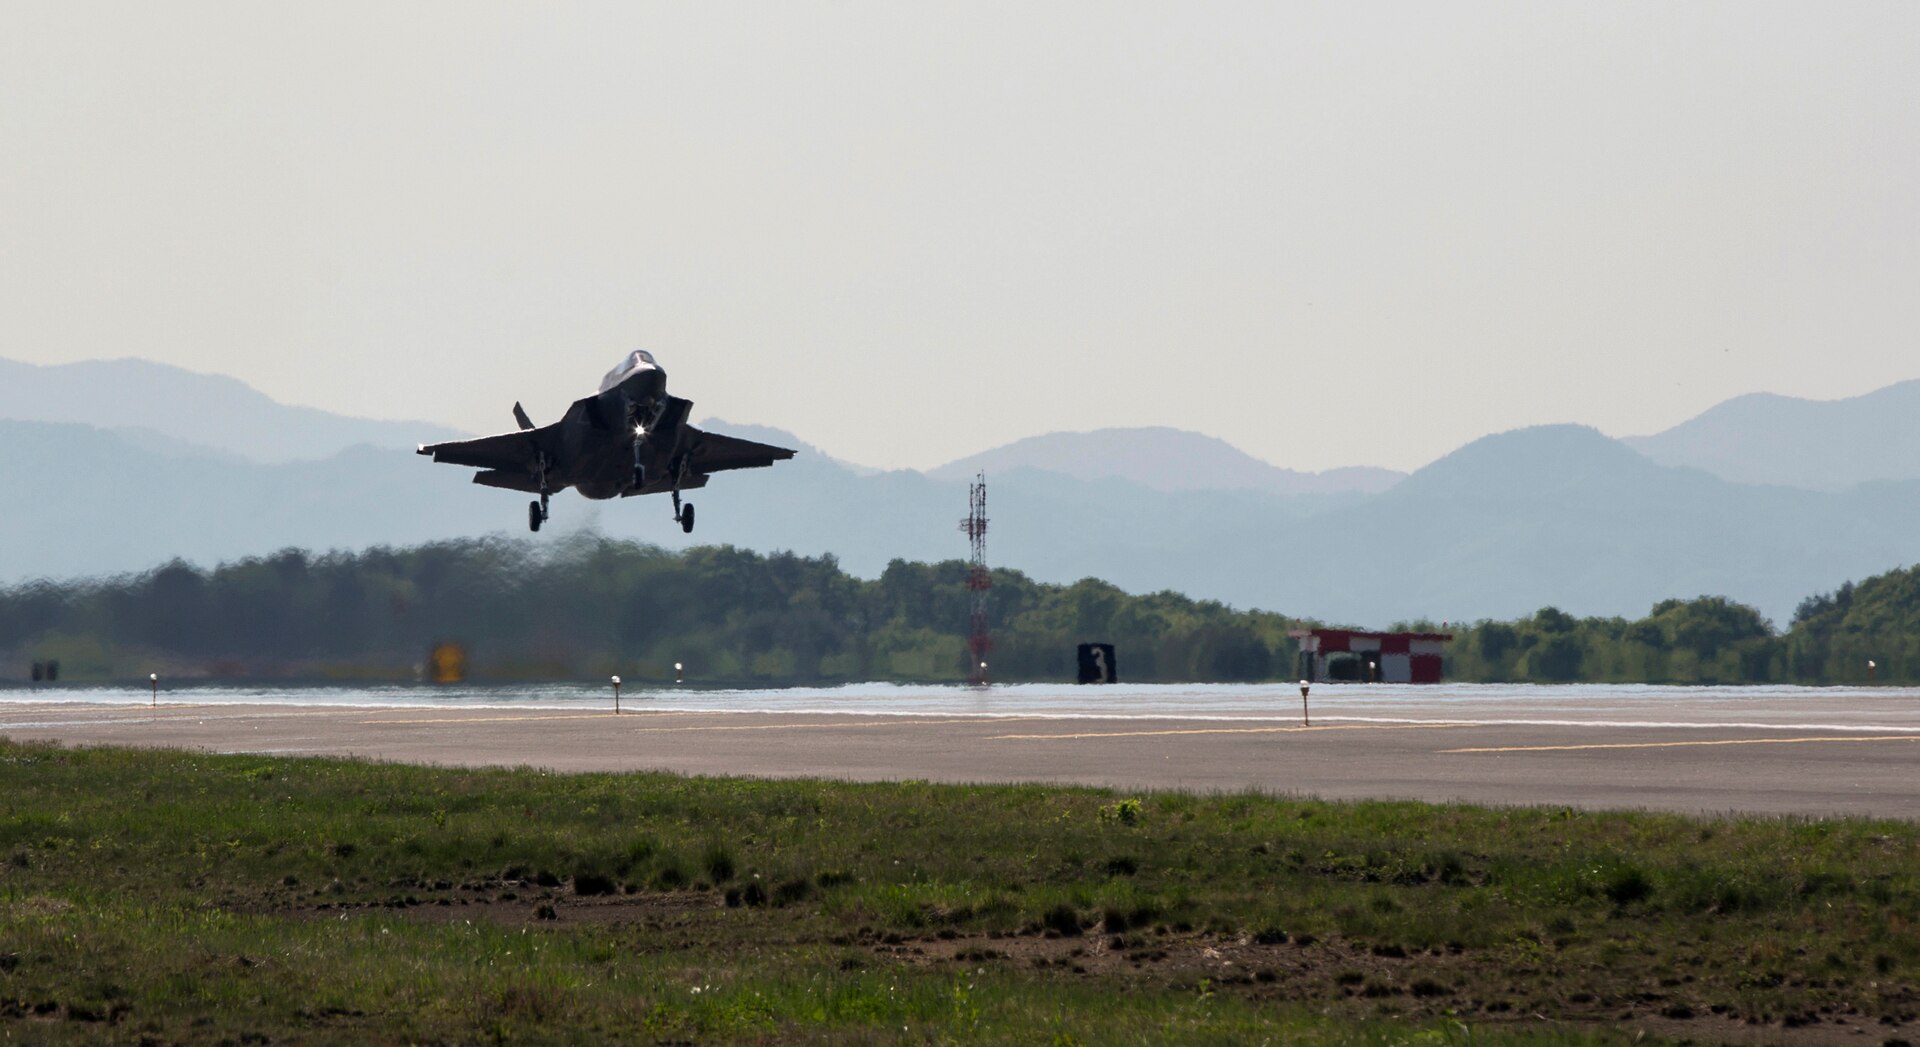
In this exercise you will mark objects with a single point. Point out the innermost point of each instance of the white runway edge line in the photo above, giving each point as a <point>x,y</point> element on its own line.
<point>1576,707</point>
<point>239,711</point>
<point>1678,725</point>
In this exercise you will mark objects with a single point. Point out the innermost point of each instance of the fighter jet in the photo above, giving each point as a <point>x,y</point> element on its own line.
<point>629,438</point>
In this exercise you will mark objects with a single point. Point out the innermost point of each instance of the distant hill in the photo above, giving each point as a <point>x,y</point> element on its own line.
<point>1557,515</point>
<point>1821,445</point>
<point>1163,459</point>
<point>184,412</point>
<point>1562,515</point>
<point>91,501</point>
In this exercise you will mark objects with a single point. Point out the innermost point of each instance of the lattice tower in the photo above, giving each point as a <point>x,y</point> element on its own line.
<point>979,580</point>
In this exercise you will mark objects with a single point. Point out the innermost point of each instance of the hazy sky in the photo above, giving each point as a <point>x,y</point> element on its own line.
<point>1332,234</point>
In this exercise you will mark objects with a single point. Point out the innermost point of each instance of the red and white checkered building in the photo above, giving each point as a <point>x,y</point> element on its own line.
<point>1369,657</point>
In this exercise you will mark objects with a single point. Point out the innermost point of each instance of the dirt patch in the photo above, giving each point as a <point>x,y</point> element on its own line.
<point>1344,977</point>
<point>37,906</point>
<point>1429,985</point>
<point>507,903</point>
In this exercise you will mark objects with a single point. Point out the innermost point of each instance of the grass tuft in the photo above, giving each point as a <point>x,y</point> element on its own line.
<point>1061,920</point>
<point>718,861</point>
<point>593,882</point>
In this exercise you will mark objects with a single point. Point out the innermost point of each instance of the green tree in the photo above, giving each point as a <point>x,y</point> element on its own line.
<point>1555,659</point>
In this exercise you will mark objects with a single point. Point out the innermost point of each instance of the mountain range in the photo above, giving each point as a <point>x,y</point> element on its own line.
<point>1821,445</point>
<point>121,472</point>
<point>184,413</point>
<point>1164,459</point>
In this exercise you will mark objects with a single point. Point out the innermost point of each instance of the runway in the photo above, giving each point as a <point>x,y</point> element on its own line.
<point>1734,750</point>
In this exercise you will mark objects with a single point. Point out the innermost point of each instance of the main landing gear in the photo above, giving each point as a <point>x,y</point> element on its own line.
<point>537,510</point>
<point>683,514</point>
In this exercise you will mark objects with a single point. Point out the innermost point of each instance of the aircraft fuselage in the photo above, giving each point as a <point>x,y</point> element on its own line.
<point>625,439</point>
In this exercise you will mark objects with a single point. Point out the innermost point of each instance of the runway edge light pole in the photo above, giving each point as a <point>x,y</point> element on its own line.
<point>616,696</point>
<point>1305,720</point>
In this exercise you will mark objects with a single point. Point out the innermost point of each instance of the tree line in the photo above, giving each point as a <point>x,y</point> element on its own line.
<point>1863,633</point>
<point>590,606</point>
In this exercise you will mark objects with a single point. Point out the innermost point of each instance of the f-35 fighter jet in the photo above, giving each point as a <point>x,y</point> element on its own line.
<point>629,438</point>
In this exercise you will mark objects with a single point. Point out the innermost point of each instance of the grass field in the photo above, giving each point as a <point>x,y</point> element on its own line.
<point>180,897</point>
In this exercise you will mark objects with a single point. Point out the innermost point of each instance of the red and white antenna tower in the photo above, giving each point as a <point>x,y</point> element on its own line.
<point>979,580</point>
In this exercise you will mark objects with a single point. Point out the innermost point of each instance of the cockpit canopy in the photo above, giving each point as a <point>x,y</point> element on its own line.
<point>638,360</point>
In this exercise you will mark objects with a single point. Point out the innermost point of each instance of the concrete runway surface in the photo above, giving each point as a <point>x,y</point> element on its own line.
<point>1734,750</point>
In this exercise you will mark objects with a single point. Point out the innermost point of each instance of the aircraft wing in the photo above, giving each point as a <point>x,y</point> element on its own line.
<point>509,460</point>
<point>712,453</point>
<point>518,451</point>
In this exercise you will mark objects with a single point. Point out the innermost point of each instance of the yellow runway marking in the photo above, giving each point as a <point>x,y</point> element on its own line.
<point>608,715</point>
<point>1224,730</point>
<point>1678,745</point>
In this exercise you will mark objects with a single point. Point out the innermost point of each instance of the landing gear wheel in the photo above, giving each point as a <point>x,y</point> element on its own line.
<point>534,516</point>
<point>686,518</point>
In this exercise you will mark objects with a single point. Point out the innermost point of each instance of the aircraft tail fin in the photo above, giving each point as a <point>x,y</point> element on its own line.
<point>520,415</point>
